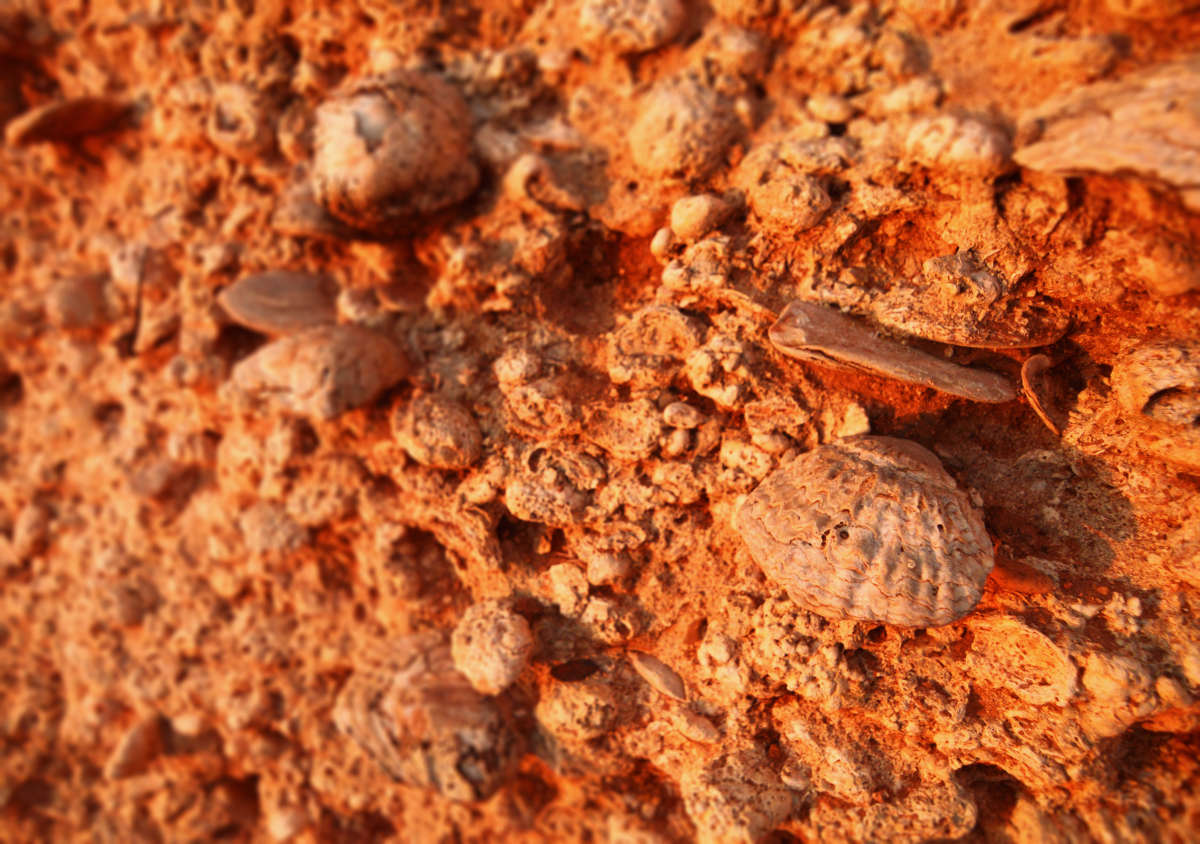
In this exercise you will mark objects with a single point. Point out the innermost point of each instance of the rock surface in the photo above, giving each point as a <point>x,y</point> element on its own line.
<point>441,544</point>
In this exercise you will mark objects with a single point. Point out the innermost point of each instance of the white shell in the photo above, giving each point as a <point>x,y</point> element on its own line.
<point>871,528</point>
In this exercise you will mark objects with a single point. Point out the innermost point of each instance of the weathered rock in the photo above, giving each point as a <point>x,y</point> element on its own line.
<point>321,372</point>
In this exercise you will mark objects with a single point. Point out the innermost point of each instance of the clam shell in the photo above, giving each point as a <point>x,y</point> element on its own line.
<point>281,301</point>
<point>871,528</point>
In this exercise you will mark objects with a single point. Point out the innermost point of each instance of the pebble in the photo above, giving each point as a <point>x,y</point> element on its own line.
<point>438,432</point>
<point>682,130</point>
<point>692,217</point>
<point>491,646</point>
<point>631,26</point>
<point>389,149</point>
<point>323,371</point>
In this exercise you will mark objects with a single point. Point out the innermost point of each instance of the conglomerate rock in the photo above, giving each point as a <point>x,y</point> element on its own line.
<point>381,385</point>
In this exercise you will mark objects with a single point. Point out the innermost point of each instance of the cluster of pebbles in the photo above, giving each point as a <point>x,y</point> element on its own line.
<point>664,426</point>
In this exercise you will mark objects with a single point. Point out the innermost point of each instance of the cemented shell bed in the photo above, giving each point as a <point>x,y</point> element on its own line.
<point>467,421</point>
<point>871,528</point>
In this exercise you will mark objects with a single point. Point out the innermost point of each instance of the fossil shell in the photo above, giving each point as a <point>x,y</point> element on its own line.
<point>419,718</point>
<point>870,528</point>
<point>280,301</point>
<point>67,120</point>
<point>1161,380</point>
<point>1158,385</point>
<point>655,672</point>
<point>812,332</point>
<point>389,149</point>
<point>962,302</point>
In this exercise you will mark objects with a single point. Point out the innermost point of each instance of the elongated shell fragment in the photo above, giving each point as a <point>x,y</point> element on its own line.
<point>812,332</point>
<point>871,528</point>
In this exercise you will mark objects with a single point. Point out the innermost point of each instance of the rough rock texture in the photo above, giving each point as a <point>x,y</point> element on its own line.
<point>237,532</point>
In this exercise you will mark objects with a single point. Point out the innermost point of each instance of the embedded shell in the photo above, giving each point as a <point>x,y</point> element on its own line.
<point>391,148</point>
<point>871,528</point>
<point>413,712</point>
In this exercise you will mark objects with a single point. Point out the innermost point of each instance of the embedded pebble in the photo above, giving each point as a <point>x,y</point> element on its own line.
<point>438,432</point>
<point>647,349</point>
<point>323,371</point>
<point>389,149</point>
<point>75,303</point>
<point>662,243</point>
<point>682,415</point>
<point>683,130</point>
<point>237,122</point>
<point>779,190</point>
<point>631,26</point>
<point>963,145</point>
<point>578,712</point>
<point>280,301</point>
<point>830,107</point>
<point>491,646</point>
<point>870,528</point>
<point>655,672</point>
<point>734,797</point>
<point>692,217</point>
<point>267,527</point>
<point>568,588</point>
<point>1007,653</point>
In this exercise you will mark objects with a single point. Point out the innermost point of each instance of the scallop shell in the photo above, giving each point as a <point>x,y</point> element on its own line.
<point>871,528</point>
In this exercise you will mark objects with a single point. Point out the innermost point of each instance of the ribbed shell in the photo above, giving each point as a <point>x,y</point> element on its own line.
<point>871,528</point>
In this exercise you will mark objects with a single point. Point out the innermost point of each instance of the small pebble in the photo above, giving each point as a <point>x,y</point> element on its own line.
<point>491,646</point>
<point>830,107</point>
<point>631,26</point>
<point>692,217</point>
<point>323,371</point>
<point>439,432</point>
<point>682,415</point>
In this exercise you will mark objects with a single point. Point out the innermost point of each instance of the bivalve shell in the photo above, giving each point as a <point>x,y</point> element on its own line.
<point>421,720</point>
<point>280,301</point>
<point>870,528</point>
<point>389,149</point>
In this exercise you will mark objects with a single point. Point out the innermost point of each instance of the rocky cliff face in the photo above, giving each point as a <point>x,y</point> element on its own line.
<point>400,439</point>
